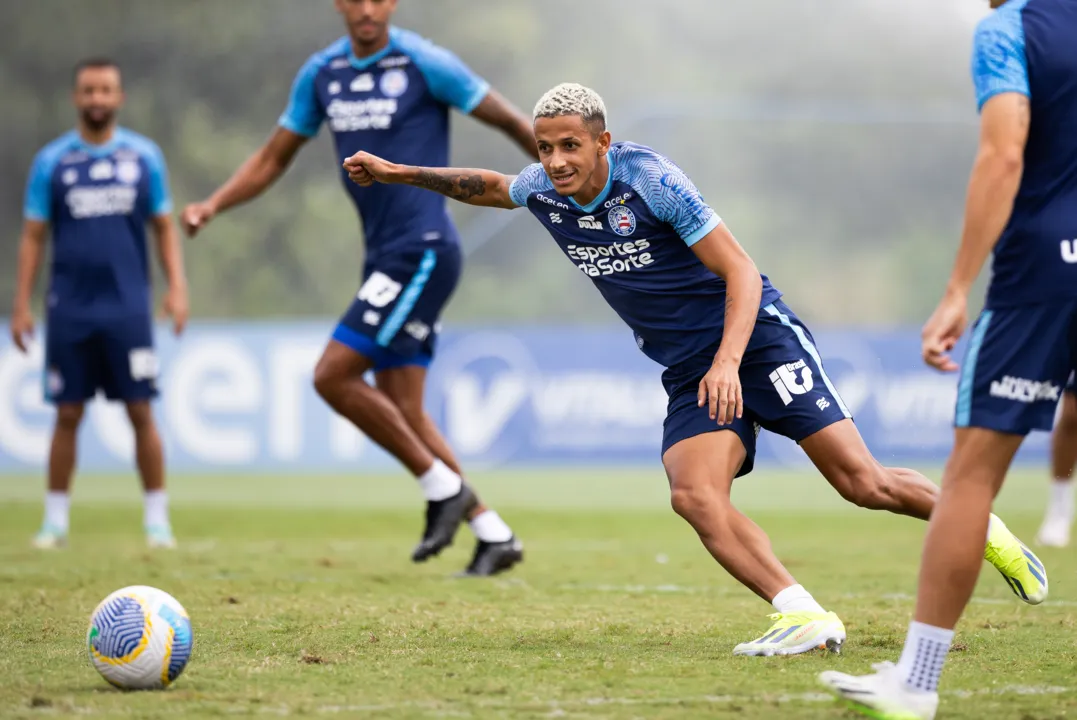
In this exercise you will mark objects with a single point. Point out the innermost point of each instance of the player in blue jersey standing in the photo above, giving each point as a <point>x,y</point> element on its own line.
<point>1022,207</point>
<point>95,190</point>
<point>736,357</point>
<point>388,90</point>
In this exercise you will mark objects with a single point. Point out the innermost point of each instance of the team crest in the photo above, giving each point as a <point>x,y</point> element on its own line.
<point>622,220</point>
<point>128,172</point>
<point>394,83</point>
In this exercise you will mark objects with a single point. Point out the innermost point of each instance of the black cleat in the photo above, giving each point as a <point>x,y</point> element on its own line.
<point>494,558</point>
<point>443,518</point>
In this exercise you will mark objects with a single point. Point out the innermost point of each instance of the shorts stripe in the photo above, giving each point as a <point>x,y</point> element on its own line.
<point>407,301</point>
<point>810,349</point>
<point>968,371</point>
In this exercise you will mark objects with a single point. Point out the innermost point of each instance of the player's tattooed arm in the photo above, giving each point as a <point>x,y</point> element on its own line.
<point>474,187</point>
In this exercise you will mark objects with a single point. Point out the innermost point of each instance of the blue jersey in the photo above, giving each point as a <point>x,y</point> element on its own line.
<point>1030,47</point>
<point>634,242</point>
<point>394,104</point>
<point>98,200</point>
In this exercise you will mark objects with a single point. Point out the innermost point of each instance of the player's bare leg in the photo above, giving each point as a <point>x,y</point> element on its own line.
<point>841,456</point>
<point>497,549</point>
<point>1057,521</point>
<point>63,454</point>
<point>150,458</point>
<point>701,471</point>
<point>338,379</point>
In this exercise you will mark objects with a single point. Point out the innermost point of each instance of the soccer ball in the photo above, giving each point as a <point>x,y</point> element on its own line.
<point>139,638</point>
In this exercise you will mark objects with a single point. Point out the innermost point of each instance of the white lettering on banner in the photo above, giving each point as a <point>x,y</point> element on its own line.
<point>215,376</point>
<point>21,396</point>
<point>475,421</point>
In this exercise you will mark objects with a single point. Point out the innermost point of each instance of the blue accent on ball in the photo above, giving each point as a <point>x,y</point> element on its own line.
<point>120,624</point>
<point>182,641</point>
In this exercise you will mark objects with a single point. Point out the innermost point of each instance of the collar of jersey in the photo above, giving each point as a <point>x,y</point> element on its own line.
<point>365,62</point>
<point>590,207</point>
<point>96,150</point>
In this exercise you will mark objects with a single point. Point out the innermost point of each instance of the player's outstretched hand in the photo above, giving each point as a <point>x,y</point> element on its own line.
<point>196,216</point>
<point>22,328</point>
<point>365,169</point>
<point>942,331</point>
<point>720,387</point>
<point>176,307</point>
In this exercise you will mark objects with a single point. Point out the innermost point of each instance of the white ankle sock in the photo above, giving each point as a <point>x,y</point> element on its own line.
<point>795,599</point>
<point>439,482</point>
<point>489,527</point>
<point>922,659</point>
<point>155,508</point>
<point>57,510</point>
<point>1061,503</point>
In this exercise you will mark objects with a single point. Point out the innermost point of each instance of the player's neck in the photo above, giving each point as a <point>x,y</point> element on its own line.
<point>595,185</point>
<point>362,50</point>
<point>97,137</point>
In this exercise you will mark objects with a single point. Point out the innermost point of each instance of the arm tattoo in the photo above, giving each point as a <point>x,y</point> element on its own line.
<point>455,185</point>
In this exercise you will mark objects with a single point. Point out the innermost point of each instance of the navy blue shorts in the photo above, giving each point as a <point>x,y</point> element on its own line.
<point>394,319</point>
<point>784,387</point>
<point>114,355</point>
<point>1016,365</point>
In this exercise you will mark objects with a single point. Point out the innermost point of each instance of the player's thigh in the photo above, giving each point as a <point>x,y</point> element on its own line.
<point>1015,366</point>
<point>783,380</point>
<point>980,457</point>
<point>395,316</point>
<point>695,449</point>
<point>73,362</point>
<point>131,367</point>
<point>701,469</point>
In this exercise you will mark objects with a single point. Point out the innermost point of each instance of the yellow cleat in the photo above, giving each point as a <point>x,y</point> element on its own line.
<point>1022,569</point>
<point>795,633</point>
<point>883,695</point>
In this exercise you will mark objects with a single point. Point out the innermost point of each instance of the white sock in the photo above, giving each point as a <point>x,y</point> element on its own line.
<point>57,507</point>
<point>923,657</point>
<point>439,482</point>
<point>795,599</point>
<point>1061,503</point>
<point>155,508</point>
<point>489,527</point>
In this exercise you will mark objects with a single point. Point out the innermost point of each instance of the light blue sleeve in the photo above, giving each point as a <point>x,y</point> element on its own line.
<point>38,202</point>
<point>999,63</point>
<point>160,195</point>
<point>532,179</point>
<point>449,79</point>
<point>671,195</point>
<point>304,114</point>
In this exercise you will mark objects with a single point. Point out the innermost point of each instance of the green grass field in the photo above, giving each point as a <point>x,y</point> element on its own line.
<point>304,603</point>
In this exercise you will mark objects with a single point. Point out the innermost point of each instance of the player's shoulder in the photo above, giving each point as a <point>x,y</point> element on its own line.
<point>647,171</point>
<point>532,179</point>
<point>412,44</point>
<point>336,51</point>
<point>54,151</point>
<point>1003,24</point>
<point>138,143</point>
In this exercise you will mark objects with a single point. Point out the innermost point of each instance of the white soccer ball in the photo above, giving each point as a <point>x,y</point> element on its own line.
<point>139,638</point>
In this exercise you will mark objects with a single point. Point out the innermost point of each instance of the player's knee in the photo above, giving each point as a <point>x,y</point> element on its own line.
<point>695,501</point>
<point>68,417</point>
<point>141,416</point>
<point>326,380</point>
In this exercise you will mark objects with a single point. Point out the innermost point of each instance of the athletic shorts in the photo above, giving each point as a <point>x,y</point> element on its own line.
<point>783,385</point>
<point>395,317</point>
<point>115,355</point>
<point>1016,365</point>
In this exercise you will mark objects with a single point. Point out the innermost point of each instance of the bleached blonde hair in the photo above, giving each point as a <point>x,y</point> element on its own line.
<point>572,99</point>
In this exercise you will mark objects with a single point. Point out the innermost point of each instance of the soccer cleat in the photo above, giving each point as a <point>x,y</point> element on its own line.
<point>795,633</point>
<point>1055,532</point>
<point>443,518</point>
<point>1022,569</point>
<point>883,696</point>
<point>494,558</point>
<point>160,537</point>
<point>50,537</point>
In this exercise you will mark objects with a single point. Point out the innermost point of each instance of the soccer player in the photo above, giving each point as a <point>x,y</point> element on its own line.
<point>1057,521</point>
<point>94,190</point>
<point>388,90</point>
<point>1022,205</point>
<point>634,223</point>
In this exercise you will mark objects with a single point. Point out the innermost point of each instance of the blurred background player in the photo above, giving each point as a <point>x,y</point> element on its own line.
<point>96,188</point>
<point>388,90</point>
<point>1022,206</point>
<point>736,356</point>
<point>1058,520</point>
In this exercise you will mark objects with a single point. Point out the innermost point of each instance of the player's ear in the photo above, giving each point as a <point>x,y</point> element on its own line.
<point>604,140</point>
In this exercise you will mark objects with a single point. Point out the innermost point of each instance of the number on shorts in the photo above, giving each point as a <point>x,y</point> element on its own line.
<point>379,290</point>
